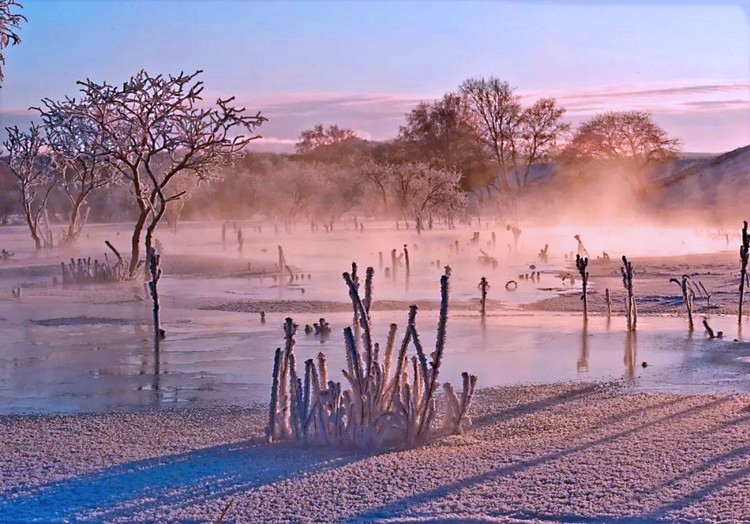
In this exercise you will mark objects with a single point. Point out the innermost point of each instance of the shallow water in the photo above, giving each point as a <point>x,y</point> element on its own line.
<point>226,358</point>
<point>61,355</point>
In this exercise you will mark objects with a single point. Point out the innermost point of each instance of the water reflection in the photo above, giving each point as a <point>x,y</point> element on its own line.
<point>582,365</point>
<point>631,354</point>
<point>150,357</point>
<point>141,338</point>
<point>97,366</point>
<point>483,325</point>
<point>155,380</point>
<point>29,334</point>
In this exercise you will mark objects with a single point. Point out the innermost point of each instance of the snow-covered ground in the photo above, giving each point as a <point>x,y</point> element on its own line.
<point>591,453</point>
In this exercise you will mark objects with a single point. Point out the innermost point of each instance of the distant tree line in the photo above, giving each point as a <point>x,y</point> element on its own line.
<point>290,190</point>
<point>149,151</point>
<point>484,132</point>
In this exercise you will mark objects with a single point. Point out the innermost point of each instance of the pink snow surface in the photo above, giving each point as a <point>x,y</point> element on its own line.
<point>556,453</point>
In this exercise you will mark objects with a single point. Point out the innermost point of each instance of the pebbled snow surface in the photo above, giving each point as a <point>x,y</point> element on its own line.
<point>591,453</point>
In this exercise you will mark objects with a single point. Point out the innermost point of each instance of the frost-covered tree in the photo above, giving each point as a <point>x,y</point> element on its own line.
<point>338,192</point>
<point>75,146</point>
<point>187,186</point>
<point>10,22</point>
<point>154,130</point>
<point>291,190</point>
<point>237,194</point>
<point>36,178</point>
<point>420,189</point>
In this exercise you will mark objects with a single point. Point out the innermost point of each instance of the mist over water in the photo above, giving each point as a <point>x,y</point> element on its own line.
<point>83,348</point>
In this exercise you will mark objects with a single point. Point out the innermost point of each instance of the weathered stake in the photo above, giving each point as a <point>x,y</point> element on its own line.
<point>581,263</point>
<point>744,251</point>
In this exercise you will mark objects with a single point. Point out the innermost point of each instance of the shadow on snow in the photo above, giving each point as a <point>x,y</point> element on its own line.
<point>169,482</point>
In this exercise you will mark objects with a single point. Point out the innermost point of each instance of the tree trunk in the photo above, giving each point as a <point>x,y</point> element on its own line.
<point>640,182</point>
<point>34,234</point>
<point>30,221</point>
<point>72,235</point>
<point>526,173</point>
<point>136,241</point>
<point>502,175</point>
<point>152,225</point>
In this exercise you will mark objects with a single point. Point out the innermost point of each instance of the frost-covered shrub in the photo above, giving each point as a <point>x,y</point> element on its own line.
<point>391,398</point>
<point>86,271</point>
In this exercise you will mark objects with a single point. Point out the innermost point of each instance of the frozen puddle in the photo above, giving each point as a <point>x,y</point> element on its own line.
<point>85,363</point>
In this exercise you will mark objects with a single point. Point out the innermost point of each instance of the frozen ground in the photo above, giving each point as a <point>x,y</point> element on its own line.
<point>590,453</point>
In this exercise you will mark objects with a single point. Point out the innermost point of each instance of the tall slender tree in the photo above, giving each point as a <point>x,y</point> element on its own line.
<point>541,131</point>
<point>498,111</point>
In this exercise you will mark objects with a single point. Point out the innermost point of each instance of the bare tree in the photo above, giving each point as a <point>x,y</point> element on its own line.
<point>75,146</point>
<point>318,138</point>
<point>239,192</point>
<point>629,139</point>
<point>289,190</point>
<point>9,23</point>
<point>337,192</point>
<point>292,189</point>
<point>155,129</point>
<point>36,179</point>
<point>443,134</point>
<point>438,191</point>
<point>498,111</point>
<point>373,174</point>
<point>419,189</point>
<point>541,130</point>
<point>403,183</point>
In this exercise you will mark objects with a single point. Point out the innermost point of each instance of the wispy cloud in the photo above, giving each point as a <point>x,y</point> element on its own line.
<point>677,97</point>
<point>659,97</point>
<point>374,116</point>
<point>306,104</point>
<point>689,106</point>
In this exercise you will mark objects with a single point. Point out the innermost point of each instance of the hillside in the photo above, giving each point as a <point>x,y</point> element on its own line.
<point>719,185</point>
